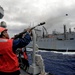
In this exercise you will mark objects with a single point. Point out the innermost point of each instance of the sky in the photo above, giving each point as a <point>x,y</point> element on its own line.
<point>21,14</point>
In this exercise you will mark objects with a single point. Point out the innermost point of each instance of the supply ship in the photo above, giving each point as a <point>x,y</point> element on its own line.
<point>56,41</point>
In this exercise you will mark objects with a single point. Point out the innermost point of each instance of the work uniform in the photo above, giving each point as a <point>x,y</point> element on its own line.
<point>8,60</point>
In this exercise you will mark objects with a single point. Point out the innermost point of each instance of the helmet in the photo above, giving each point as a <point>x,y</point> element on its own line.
<point>3,24</point>
<point>2,29</point>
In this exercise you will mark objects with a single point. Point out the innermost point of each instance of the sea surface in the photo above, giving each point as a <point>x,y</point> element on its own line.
<point>57,63</point>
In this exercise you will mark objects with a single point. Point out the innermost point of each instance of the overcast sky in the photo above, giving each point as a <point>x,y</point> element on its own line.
<point>20,14</point>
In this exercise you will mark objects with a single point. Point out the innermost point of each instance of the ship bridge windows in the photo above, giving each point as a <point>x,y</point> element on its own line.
<point>59,39</point>
<point>66,39</point>
<point>71,38</point>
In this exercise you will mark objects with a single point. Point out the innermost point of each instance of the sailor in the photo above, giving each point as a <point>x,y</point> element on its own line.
<point>3,24</point>
<point>9,64</point>
<point>22,54</point>
<point>23,59</point>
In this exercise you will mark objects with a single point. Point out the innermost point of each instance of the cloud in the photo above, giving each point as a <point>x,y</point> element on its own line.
<point>21,13</point>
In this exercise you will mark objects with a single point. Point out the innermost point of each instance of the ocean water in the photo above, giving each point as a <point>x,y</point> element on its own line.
<point>57,63</point>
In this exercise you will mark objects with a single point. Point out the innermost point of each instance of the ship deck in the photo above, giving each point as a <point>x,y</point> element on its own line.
<point>23,72</point>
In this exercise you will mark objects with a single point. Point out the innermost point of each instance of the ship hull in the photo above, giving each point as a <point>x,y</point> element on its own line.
<point>53,44</point>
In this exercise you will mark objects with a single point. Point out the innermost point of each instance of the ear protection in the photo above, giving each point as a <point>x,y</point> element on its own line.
<point>3,34</point>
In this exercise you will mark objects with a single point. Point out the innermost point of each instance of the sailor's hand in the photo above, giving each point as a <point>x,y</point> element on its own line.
<point>28,30</point>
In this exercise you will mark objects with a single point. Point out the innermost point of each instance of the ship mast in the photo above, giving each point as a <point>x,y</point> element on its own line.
<point>64,32</point>
<point>65,36</point>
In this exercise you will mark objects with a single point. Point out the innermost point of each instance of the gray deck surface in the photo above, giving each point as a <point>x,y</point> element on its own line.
<point>23,72</point>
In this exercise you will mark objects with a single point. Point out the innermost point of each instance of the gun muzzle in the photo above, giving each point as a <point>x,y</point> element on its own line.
<point>42,23</point>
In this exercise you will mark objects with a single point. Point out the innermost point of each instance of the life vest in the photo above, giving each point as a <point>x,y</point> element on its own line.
<point>23,53</point>
<point>8,59</point>
<point>25,56</point>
